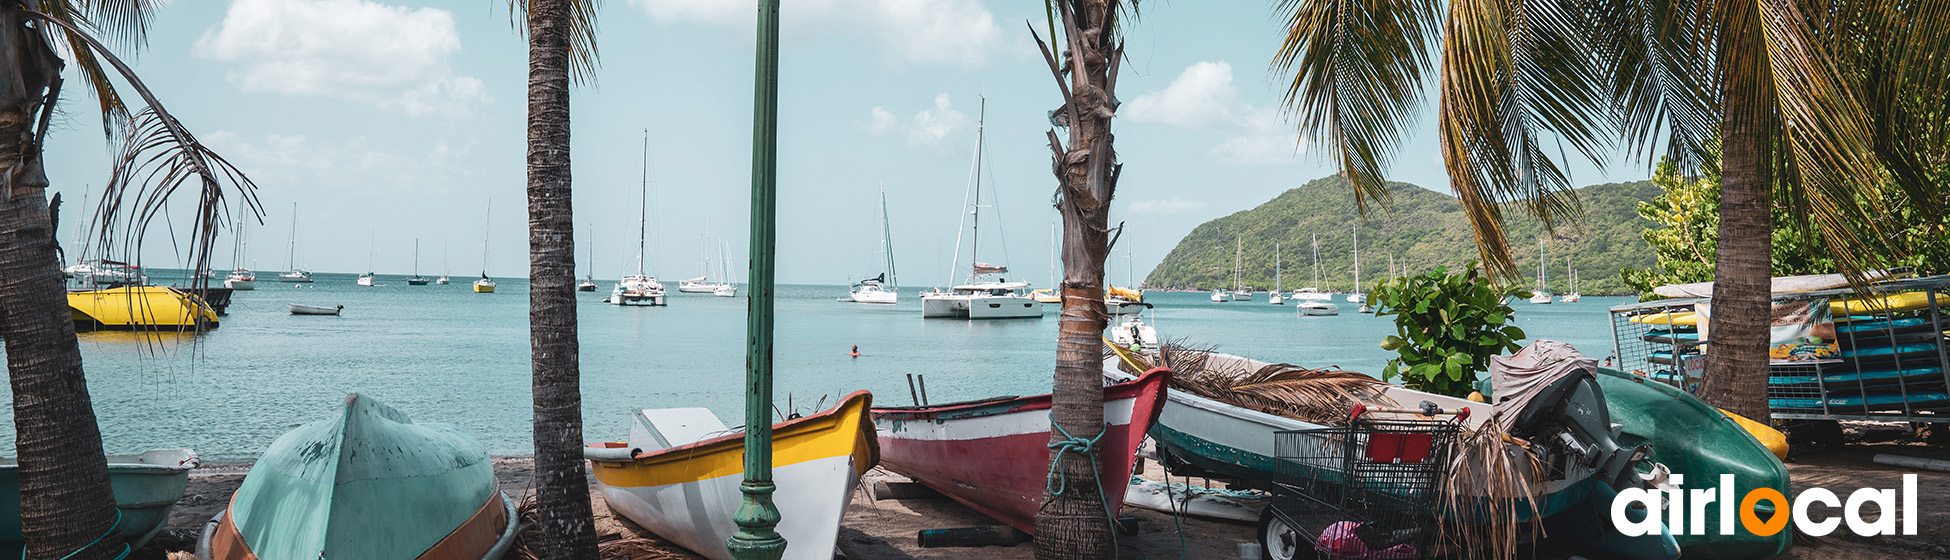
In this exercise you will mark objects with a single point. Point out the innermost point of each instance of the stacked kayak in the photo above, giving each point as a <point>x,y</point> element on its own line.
<point>367,484</point>
<point>1892,358</point>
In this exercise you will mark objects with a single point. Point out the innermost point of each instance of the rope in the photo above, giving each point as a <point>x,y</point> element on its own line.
<point>98,540</point>
<point>1072,443</point>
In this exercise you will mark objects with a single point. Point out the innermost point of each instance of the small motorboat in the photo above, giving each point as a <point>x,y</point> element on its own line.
<point>679,475</point>
<point>302,309</point>
<point>993,455</point>
<point>146,486</point>
<point>367,483</point>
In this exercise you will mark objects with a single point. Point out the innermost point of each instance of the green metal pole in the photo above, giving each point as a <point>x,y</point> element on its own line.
<point>757,538</point>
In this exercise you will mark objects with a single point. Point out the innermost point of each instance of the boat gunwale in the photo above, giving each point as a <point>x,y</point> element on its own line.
<point>824,417</point>
<point>1131,388</point>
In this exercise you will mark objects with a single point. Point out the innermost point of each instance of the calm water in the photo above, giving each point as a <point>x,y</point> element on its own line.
<point>445,354</point>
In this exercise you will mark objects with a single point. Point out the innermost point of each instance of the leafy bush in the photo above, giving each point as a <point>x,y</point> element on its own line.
<point>1447,326</point>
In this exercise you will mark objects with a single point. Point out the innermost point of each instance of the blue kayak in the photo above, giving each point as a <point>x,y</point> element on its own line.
<point>1876,401</point>
<point>1871,377</point>
<point>1887,351</point>
<point>1864,327</point>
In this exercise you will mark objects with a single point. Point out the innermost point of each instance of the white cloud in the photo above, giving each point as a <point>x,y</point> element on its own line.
<point>1204,97</point>
<point>356,167</point>
<point>1173,205</point>
<point>934,127</point>
<point>960,32</point>
<point>390,56</point>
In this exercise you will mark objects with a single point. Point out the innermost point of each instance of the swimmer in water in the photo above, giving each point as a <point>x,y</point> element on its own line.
<point>856,351</point>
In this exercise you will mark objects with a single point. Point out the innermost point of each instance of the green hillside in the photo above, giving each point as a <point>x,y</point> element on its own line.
<point>1422,229</point>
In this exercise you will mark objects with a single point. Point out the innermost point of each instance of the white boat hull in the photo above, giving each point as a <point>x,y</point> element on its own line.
<point>1318,309</point>
<point>1357,298</point>
<point>365,280</point>
<point>726,290</point>
<point>651,300</point>
<point>240,285</point>
<point>1541,299</point>
<point>302,309</point>
<point>1275,299</point>
<point>1221,297</point>
<point>1004,307</point>
<point>295,278</point>
<point>811,497</point>
<point>1118,308</point>
<point>872,296</point>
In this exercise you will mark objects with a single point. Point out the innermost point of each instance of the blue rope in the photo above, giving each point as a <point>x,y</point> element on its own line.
<point>98,540</point>
<point>1072,443</point>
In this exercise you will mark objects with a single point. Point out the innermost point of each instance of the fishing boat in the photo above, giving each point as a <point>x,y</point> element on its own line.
<point>302,309</point>
<point>640,288</point>
<point>589,284</point>
<point>146,487</point>
<point>1134,333</point>
<point>486,284</point>
<point>417,279</point>
<point>886,287</point>
<point>240,279</point>
<point>1543,295</point>
<point>293,273</point>
<point>680,471</point>
<point>368,483</point>
<point>980,297</point>
<point>1358,296</point>
<point>993,455</point>
<point>140,308</point>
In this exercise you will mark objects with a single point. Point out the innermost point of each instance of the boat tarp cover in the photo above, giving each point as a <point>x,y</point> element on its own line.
<point>367,484</point>
<point>1518,377</point>
<point>986,268</point>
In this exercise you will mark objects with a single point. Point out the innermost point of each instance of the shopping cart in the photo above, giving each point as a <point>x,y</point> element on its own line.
<point>1364,491</point>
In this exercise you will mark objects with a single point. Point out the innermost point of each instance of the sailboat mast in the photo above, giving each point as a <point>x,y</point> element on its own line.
<point>1238,259</point>
<point>486,230</point>
<point>1357,260</point>
<point>886,240</point>
<point>1278,282</point>
<point>1316,251</point>
<point>643,204</point>
<point>291,243</point>
<point>372,241</point>
<point>416,257</point>
<point>975,233</point>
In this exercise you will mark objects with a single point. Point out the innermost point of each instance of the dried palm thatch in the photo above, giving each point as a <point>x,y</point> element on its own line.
<point>1488,496</point>
<point>1317,395</point>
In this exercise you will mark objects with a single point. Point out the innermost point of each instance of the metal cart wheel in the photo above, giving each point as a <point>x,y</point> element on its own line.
<point>1279,540</point>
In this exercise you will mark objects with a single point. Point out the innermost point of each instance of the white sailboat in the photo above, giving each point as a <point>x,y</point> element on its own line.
<point>1313,301</point>
<point>444,280</point>
<point>486,284</point>
<point>1572,276</point>
<point>1543,295</point>
<point>980,297</point>
<point>372,239</point>
<point>725,288</point>
<point>885,288</point>
<point>1240,292</point>
<point>292,272</point>
<point>640,288</point>
<point>1279,287</point>
<point>417,279</point>
<point>703,284</point>
<point>1358,296</point>
<point>589,284</point>
<point>241,279</point>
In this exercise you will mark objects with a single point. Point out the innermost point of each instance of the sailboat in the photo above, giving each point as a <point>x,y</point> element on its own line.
<point>1048,295</point>
<point>1239,290</point>
<point>980,298</point>
<point>640,288</point>
<point>1572,297</point>
<point>417,279</point>
<point>241,279</point>
<point>1276,298</point>
<point>1358,296</point>
<point>1312,300</point>
<point>368,279</point>
<point>725,288</point>
<point>485,285</point>
<point>702,284</point>
<point>886,287</point>
<point>444,280</point>
<point>1543,295</point>
<point>292,273</point>
<point>589,284</point>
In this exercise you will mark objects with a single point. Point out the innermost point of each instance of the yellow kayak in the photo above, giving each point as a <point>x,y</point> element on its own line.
<point>1669,318</point>
<point>1907,301</point>
<point>1772,439</point>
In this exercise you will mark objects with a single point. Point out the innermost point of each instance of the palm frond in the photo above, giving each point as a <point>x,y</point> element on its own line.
<point>1319,395</point>
<point>584,56</point>
<point>1657,56</point>
<point>124,23</point>
<point>1359,69</point>
<point>1499,486</point>
<point>156,161</point>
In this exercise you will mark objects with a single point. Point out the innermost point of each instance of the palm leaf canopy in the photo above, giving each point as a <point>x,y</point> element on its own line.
<point>1854,87</point>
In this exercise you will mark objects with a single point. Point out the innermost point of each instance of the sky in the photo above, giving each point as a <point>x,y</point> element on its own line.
<point>406,121</point>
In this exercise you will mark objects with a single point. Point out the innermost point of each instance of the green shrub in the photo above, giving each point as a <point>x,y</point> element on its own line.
<point>1447,326</point>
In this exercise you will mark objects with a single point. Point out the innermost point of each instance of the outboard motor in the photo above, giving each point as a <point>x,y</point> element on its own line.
<point>1568,426</point>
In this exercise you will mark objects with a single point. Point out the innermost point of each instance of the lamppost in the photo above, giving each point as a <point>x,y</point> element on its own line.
<point>758,518</point>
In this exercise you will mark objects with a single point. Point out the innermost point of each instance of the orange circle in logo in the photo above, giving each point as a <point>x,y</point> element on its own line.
<point>1753,523</point>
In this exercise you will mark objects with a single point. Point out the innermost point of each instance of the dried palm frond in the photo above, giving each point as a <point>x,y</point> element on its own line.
<point>1489,496</point>
<point>1318,395</point>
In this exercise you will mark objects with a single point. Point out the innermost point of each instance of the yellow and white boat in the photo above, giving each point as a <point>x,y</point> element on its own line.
<point>679,474</point>
<point>484,286</point>
<point>140,307</point>
<point>1045,295</point>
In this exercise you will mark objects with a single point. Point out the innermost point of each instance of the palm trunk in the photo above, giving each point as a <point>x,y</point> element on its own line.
<point>66,501</point>
<point>1736,365</point>
<point>562,488</point>
<point>1075,524</point>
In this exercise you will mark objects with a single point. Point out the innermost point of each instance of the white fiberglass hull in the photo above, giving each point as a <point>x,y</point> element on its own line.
<point>1318,308</point>
<point>366,280</point>
<point>811,497</point>
<point>1542,298</point>
<point>695,287</point>
<point>651,300</point>
<point>240,285</point>
<point>1004,307</point>
<point>295,278</point>
<point>873,296</point>
<point>1120,307</point>
<point>1221,297</point>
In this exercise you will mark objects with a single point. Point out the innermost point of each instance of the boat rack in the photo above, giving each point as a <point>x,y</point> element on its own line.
<point>1892,361</point>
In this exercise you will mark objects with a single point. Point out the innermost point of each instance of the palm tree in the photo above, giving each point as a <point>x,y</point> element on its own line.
<point>1815,102</point>
<point>561,44</point>
<point>1075,523</point>
<point>67,507</point>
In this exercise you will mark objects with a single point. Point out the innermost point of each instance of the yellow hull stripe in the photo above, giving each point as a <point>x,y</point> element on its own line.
<point>844,430</point>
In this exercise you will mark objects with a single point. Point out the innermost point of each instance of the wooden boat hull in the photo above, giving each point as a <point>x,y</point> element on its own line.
<point>1692,438</point>
<point>140,307</point>
<point>994,455</point>
<point>689,494</point>
<point>146,487</point>
<point>368,484</point>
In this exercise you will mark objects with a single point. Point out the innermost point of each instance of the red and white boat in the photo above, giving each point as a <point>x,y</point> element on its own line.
<point>993,455</point>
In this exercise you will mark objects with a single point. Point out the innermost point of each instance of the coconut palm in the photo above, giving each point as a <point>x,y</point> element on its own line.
<point>1815,101</point>
<point>1074,524</point>
<point>561,46</point>
<point>67,507</point>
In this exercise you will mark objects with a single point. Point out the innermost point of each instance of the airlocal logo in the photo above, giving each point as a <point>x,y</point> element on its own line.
<point>1682,505</point>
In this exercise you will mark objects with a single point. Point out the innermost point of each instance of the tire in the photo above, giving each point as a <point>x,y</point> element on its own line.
<point>1280,541</point>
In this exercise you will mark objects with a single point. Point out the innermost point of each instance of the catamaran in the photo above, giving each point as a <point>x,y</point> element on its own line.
<point>640,288</point>
<point>292,272</point>
<point>417,279</point>
<point>980,297</point>
<point>486,284</point>
<point>241,279</point>
<point>886,287</point>
<point>1543,295</point>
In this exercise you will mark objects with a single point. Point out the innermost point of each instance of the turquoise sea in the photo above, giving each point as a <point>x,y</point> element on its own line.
<point>445,354</point>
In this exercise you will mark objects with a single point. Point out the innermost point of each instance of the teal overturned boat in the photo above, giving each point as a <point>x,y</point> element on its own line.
<point>368,484</point>
<point>146,486</point>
